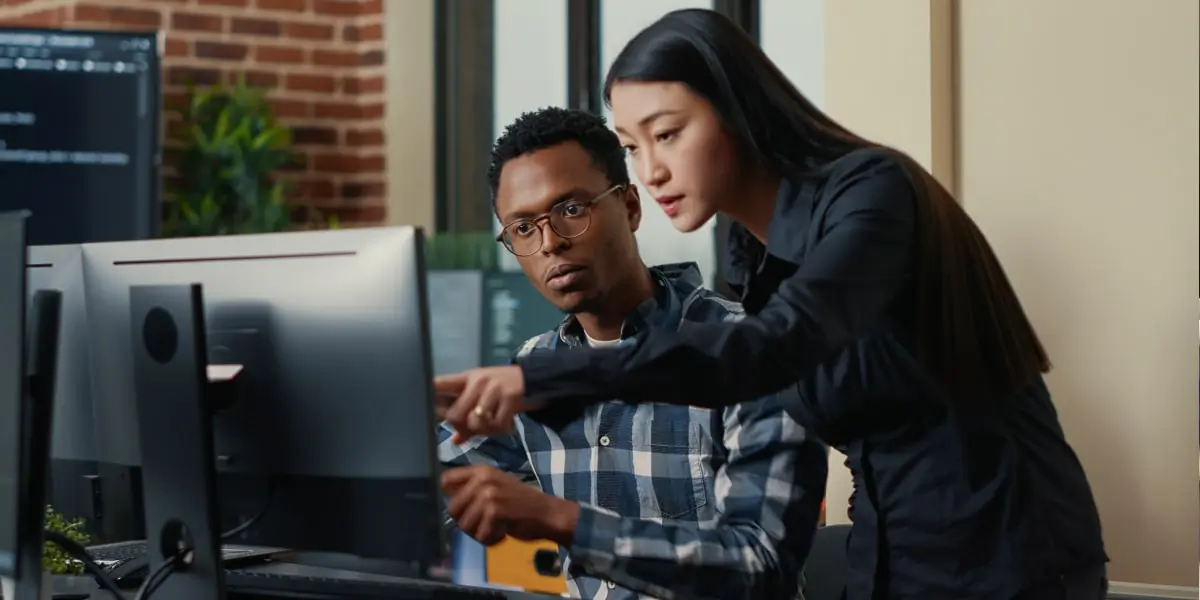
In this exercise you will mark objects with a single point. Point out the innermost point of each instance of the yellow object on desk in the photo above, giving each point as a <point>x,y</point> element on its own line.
<point>511,563</point>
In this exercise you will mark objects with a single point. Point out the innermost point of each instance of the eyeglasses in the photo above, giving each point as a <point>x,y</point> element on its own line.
<point>569,219</point>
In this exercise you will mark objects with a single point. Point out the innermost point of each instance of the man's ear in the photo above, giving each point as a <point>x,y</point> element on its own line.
<point>633,206</point>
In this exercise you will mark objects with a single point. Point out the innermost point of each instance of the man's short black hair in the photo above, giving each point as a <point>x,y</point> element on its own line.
<point>552,126</point>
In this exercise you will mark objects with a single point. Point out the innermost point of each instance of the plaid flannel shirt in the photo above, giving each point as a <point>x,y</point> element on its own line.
<point>676,501</point>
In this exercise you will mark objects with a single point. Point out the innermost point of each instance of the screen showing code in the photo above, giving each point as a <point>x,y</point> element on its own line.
<point>78,134</point>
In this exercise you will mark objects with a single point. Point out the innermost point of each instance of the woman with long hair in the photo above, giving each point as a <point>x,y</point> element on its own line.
<point>874,303</point>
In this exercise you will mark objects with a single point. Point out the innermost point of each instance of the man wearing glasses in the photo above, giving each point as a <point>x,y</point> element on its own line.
<point>644,500</point>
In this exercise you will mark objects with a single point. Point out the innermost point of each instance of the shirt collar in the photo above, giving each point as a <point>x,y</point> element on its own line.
<point>789,218</point>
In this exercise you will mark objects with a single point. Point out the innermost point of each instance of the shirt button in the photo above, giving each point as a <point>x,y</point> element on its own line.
<point>604,441</point>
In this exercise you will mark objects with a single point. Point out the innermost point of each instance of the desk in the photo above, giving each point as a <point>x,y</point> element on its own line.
<point>284,568</point>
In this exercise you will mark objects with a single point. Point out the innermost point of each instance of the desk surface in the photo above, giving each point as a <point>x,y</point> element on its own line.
<point>510,595</point>
<point>282,568</point>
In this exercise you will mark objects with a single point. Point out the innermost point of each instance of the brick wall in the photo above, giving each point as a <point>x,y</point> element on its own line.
<point>323,61</point>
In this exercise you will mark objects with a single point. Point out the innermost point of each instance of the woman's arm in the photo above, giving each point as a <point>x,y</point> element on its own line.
<point>863,260</point>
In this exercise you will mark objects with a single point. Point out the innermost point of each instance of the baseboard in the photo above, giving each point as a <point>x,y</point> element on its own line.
<point>1151,591</point>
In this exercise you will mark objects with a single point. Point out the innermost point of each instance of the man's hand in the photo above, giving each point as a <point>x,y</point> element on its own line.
<point>489,504</point>
<point>485,400</point>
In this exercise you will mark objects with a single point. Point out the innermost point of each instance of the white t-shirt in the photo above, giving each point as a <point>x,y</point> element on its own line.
<point>601,343</point>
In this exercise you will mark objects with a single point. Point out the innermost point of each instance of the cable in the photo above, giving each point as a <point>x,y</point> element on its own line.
<point>236,531</point>
<point>160,575</point>
<point>79,553</point>
<point>156,578</point>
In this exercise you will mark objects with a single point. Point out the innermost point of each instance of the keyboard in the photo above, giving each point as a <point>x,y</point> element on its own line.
<point>127,562</point>
<point>123,551</point>
<point>119,552</point>
<point>391,588</point>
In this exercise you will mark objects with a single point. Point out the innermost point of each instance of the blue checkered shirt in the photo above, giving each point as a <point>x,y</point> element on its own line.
<point>676,501</point>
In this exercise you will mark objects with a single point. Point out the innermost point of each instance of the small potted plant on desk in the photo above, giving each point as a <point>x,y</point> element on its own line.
<point>63,573</point>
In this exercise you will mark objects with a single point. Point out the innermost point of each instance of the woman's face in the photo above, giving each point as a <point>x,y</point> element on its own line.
<point>678,148</point>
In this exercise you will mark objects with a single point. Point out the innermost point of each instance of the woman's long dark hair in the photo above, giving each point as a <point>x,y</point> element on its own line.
<point>970,330</point>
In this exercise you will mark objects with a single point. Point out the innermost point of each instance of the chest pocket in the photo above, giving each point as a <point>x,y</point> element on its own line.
<point>672,463</point>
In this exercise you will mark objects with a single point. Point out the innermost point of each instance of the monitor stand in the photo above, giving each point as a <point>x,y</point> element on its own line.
<point>175,432</point>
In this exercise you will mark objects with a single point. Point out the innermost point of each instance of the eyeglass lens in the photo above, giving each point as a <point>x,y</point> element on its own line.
<point>568,220</point>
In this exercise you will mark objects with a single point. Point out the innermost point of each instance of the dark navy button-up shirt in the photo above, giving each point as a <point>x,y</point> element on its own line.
<point>947,505</point>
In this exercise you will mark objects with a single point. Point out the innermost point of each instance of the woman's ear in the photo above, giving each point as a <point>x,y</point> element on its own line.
<point>633,206</point>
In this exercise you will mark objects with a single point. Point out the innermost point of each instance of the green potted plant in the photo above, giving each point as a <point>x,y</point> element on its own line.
<point>229,179</point>
<point>57,563</point>
<point>476,251</point>
<point>54,559</point>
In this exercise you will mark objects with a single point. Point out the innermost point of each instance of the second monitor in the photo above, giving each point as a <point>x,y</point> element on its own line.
<point>332,430</point>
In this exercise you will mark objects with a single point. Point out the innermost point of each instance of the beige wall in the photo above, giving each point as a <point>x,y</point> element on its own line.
<point>409,110</point>
<point>1078,148</point>
<point>898,53</point>
<point>1074,145</point>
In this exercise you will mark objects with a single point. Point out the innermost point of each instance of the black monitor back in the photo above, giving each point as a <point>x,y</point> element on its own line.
<point>332,331</point>
<point>12,385</point>
<point>28,352</point>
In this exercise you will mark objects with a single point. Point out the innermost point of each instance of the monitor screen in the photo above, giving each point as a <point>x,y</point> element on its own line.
<point>455,319</point>
<point>514,311</point>
<point>79,133</point>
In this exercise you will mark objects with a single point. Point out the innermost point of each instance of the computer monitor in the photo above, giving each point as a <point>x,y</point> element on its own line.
<point>513,312</point>
<point>334,429</point>
<point>61,268</point>
<point>79,124</point>
<point>12,384</point>
<point>456,320</point>
<point>28,353</point>
<point>107,497</point>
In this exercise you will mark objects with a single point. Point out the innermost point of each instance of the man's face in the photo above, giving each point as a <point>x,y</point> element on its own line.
<point>574,273</point>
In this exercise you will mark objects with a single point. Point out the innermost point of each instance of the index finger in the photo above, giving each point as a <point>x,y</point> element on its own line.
<point>457,414</point>
<point>450,385</point>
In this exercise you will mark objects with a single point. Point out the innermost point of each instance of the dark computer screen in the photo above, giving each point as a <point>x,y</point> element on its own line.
<point>514,311</point>
<point>483,317</point>
<point>455,319</point>
<point>79,133</point>
<point>12,371</point>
